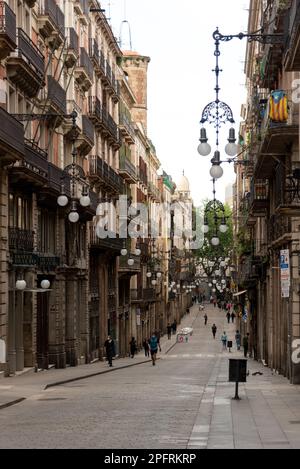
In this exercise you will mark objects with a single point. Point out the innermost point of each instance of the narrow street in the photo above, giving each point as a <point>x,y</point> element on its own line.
<point>185,401</point>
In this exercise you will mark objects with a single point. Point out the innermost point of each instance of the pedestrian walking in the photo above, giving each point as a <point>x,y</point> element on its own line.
<point>224,340</point>
<point>110,349</point>
<point>232,317</point>
<point>214,330</point>
<point>153,345</point>
<point>201,308</point>
<point>205,319</point>
<point>157,334</point>
<point>146,347</point>
<point>133,347</point>
<point>174,326</point>
<point>215,303</point>
<point>228,317</point>
<point>169,330</point>
<point>246,344</point>
<point>238,339</point>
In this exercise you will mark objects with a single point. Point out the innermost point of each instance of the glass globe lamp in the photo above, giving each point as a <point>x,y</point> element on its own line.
<point>204,148</point>
<point>216,171</point>
<point>20,284</point>
<point>62,200</point>
<point>85,201</point>
<point>45,284</point>
<point>130,262</point>
<point>215,241</point>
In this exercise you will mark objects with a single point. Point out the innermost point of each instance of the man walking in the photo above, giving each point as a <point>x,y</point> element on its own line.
<point>153,345</point>
<point>214,330</point>
<point>246,344</point>
<point>228,317</point>
<point>224,340</point>
<point>133,347</point>
<point>205,319</point>
<point>238,338</point>
<point>110,349</point>
<point>169,330</point>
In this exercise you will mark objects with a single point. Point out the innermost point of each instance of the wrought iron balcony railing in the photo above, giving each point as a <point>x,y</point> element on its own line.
<point>8,39</point>
<point>72,40</point>
<point>86,63</point>
<point>57,95</point>
<point>27,48</point>
<point>143,295</point>
<point>11,136</point>
<point>20,239</point>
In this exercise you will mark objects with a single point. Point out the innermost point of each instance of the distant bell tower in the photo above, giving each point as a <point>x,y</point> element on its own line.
<point>135,66</point>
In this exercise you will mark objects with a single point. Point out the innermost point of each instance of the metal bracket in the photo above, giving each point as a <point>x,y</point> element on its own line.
<point>252,37</point>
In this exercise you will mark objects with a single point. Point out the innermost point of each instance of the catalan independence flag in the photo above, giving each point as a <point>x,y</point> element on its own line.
<point>278,106</point>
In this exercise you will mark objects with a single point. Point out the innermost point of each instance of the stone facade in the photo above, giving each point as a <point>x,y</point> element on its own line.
<point>266,196</point>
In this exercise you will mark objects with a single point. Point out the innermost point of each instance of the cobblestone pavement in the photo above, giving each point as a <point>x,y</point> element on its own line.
<point>185,401</point>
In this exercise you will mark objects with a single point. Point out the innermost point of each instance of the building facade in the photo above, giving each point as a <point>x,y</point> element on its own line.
<point>266,204</point>
<point>57,58</point>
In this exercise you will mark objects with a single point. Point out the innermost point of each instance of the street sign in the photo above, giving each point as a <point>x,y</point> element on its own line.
<point>285,273</point>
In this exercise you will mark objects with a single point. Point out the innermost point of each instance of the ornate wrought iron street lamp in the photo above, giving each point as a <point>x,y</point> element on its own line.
<point>218,112</point>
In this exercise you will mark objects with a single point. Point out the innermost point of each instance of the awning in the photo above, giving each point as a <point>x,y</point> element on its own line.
<point>240,293</point>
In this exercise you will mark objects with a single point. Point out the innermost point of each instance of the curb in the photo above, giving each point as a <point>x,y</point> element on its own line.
<point>91,375</point>
<point>16,401</point>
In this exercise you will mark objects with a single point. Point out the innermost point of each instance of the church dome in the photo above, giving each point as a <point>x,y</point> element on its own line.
<point>184,185</point>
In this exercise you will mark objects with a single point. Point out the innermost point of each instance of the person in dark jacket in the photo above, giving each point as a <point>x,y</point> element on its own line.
<point>214,330</point>
<point>146,347</point>
<point>169,330</point>
<point>133,347</point>
<point>110,349</point>
<point>246,344</point>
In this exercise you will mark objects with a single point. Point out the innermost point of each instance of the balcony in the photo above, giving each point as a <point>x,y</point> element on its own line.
<point>126,128</point>
<point>259,197</point>
<point>106,176</point>
<point>11,139</point>
<point>94,54</point>
<point>8,38</point>
<point>126,168</point>
<point>83,72</point>
<point>25,67</point>
<point>142,175</point>
<point>85,140</point>
<point>47,263</point>
<point>55,102</point>
<point>287,190</point>
<point>275,138</point>
<point>113,132</point>
<point>81,7</point>
<point>71,51</point>
<point>95,111</point>
<point>105,244</point>
<point>143,295</point>
<point>249,271</point>
<point>274,22</point>
<point>279,230</point>
<point>51,23</point>
<point>33,169</point>
<point>154,192</point>
<point>20,240</point>
<point>292,52</point>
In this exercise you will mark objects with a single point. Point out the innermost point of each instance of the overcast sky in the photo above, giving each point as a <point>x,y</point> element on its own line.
<point>177,36</point>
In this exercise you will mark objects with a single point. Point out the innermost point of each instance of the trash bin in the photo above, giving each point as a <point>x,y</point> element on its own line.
<point>237,373</point>
<point>237,370</point>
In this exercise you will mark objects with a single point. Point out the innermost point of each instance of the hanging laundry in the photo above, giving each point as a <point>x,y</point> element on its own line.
<point>278,106</point>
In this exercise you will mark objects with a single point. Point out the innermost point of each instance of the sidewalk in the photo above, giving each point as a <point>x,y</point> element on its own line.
<point>17,388</point>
